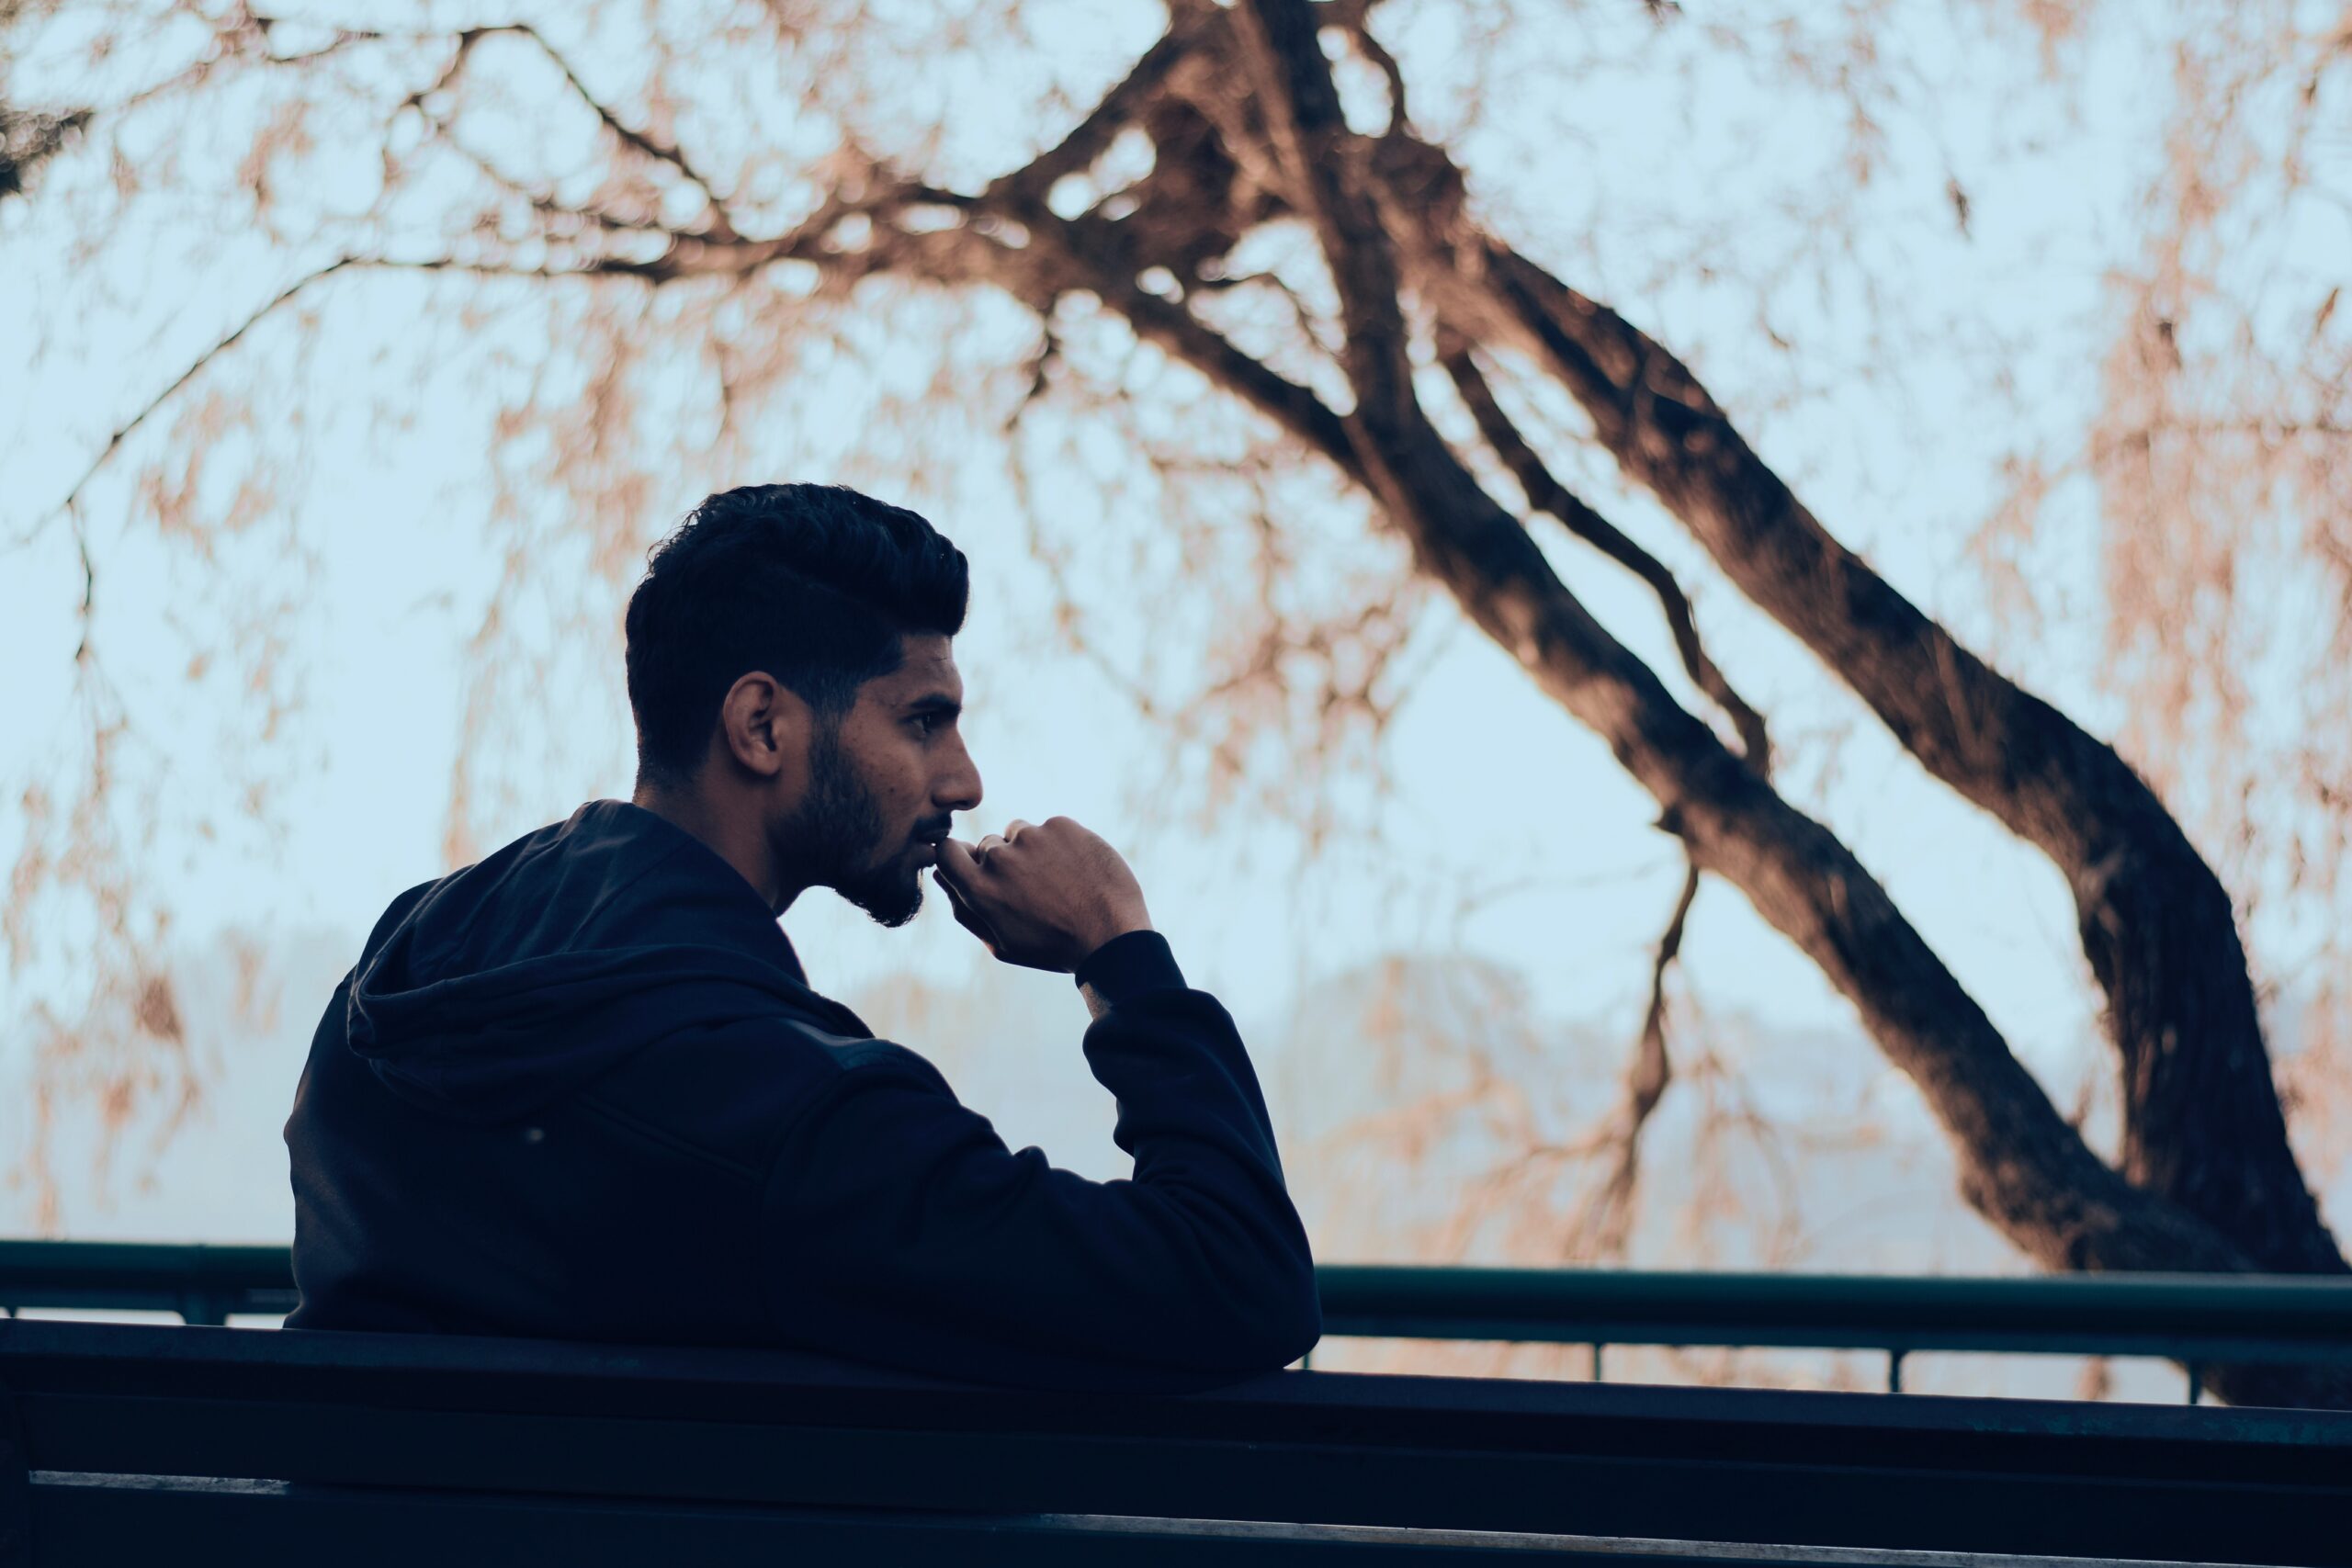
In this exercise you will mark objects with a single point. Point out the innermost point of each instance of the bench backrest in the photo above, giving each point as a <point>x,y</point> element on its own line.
<point>133,1439</point>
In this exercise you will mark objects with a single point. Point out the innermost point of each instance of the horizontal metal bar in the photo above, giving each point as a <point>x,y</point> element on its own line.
<point>1840,1336</point>
<point>2211,1318</point>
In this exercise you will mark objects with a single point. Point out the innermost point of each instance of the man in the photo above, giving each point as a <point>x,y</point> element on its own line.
<point>583,1089</point>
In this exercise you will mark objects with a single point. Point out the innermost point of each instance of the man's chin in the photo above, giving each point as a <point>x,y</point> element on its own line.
<point>892,901</point>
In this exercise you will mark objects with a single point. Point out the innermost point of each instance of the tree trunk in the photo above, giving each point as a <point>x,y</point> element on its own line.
<point>2202,1123</point>
<point>2209,1160</point>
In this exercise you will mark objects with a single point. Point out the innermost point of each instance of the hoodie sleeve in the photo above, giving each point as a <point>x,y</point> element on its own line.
<point>902,1230</point>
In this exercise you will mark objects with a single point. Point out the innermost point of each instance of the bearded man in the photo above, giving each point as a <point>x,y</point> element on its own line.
<point>584,1090</point>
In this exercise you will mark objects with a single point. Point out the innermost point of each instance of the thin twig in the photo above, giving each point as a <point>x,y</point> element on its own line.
<point>722,225</point>
<point>1607,1218</point>
<point>604,267</point>
<point>124,431</point>
<point>1546,493</point>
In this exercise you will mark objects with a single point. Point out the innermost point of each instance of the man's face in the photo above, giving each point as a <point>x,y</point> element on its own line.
<point>883,780</point>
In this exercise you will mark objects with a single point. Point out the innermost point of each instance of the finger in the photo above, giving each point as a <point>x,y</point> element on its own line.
<point>1014,829</point>
<point>956,865</point>
<point>965,915</point>
<point>956,861</point>
<point>988,846</point>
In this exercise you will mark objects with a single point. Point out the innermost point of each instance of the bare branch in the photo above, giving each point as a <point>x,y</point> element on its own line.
<point>1117,109</point>
<point>243,37</point>
<point>1057,258</point>
<point>542,201</point>
<point>124,431</point>
<point>1645,1084</point>
<point>650,272</point>
<point>721,227</point>
<point>87,613</point>
<point>1607,1216</point>
<point>1355,18</point>
<point>1546,493</point>
<point>1302,109</point>
<point>29,139</point>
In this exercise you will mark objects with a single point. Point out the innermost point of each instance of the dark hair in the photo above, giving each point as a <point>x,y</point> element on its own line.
<point>815,584</point>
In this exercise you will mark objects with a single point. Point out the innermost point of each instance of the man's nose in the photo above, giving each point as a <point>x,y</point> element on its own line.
<point>960,790</point>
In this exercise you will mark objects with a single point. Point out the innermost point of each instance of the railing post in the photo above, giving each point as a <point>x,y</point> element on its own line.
<point>2196,1382</point>
<point>1895,1372</point>
<point>1597,1347</point>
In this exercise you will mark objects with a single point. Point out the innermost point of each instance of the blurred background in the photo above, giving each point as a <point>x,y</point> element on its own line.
<point>359,350</point>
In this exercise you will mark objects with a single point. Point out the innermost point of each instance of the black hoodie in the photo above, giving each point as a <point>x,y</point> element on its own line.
<point>582,1090</point>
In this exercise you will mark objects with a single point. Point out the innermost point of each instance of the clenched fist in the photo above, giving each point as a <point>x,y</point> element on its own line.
<point>1043,896</point>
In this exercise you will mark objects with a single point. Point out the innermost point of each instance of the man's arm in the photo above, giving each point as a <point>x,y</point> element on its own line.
<point>902,1230</point>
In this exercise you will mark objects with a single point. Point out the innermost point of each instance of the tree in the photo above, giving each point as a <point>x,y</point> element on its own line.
<point>1400,355</point>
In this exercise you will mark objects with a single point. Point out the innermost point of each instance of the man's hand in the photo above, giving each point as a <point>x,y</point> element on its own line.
<point>1041,896</point>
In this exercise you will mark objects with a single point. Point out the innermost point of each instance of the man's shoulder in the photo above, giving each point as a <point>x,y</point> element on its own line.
<point>733,1092</point>
<point>880,1057</point>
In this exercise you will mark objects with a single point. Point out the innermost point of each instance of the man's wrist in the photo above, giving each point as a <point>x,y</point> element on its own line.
<point>1135,961</point>
<point>1112,930</point>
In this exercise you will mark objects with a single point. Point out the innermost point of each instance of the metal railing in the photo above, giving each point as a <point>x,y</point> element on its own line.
<point>202,1282</point>
<point>2195,1319</point>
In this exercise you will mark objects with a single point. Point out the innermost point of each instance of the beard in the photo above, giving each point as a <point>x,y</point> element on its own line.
<point>838,832</point>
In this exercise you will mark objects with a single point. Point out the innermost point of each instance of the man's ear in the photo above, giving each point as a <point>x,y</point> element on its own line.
<point>763,724</point>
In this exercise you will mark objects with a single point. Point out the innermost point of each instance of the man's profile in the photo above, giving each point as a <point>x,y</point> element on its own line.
<point>583,1089</point>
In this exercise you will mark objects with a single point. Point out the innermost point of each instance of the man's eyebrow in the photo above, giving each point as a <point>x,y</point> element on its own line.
<point>935,702</point>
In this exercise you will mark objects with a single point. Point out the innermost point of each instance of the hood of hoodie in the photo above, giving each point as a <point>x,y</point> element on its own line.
<point>507,984</point>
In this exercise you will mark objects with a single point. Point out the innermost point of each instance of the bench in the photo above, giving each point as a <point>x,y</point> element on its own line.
<point>124,1443</point>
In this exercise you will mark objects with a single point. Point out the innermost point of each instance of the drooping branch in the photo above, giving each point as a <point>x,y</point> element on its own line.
<point>1645,1085</point>
<point>1610,1207</point>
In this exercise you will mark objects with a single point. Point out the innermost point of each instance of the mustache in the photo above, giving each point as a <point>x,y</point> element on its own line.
<point>934,828</point>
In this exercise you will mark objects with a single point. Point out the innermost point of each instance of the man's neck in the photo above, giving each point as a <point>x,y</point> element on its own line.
<point>734,836</point>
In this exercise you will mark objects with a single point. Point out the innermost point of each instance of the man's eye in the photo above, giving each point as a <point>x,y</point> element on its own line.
<point>927,723</point>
